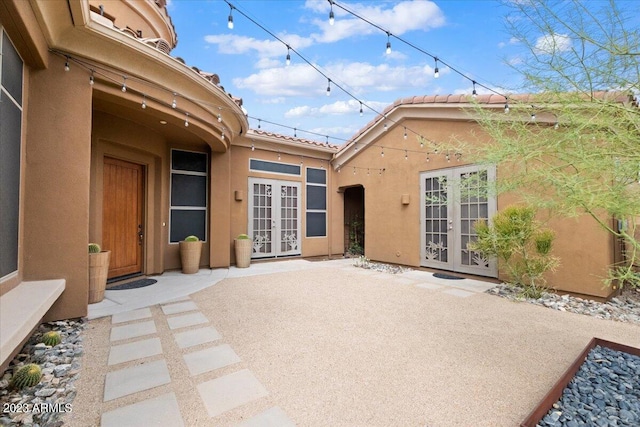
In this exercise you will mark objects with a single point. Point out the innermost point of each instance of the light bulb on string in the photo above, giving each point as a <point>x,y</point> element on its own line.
<point>288,60</point>
<point>186,120</point>
<point>368,172</point>
<point>474,94</point>
<point>428,158</point>
<point>506,107</point>
<point>230,20</point>
<point>253,147</point>
<point>381,151</point>
<point>555,126</point>
<point>259,122</point>
<point>295,133</point>
<point>220,119</point>
<point>458,156</point>
<point>327,136</point>
<point>332,17</point>
<point>279,155</point>
<point>354,170</point>
<point>405,133</point>
<point>385,127</point>
<point>301,162</point>
<point>533,115</point>
<point>436,71</point>
<point>328,87</point>
<point>355,147</point>
<point>388,51</point>
<point>361,112</point>
<point>406,155</point>
<point>66,64</point>
<point>174,103</point>
<point>448,158</point>
<point>421,144</point>
<point>144,101</point>
<point>91,79</point>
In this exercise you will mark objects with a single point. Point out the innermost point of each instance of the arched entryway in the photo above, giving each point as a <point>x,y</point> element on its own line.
<point>354,220</point>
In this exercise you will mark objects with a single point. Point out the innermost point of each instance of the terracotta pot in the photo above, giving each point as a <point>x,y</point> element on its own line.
<point>190,256</point>
<point>243,252</point>
<point>98,271</point>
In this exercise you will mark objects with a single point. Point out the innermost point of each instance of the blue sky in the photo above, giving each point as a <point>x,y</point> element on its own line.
<point>469,35</point>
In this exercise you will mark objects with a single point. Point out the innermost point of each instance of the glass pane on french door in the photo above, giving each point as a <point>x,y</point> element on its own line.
<point>435,234</point>
<point>289,220</point>
<point>261,219</point>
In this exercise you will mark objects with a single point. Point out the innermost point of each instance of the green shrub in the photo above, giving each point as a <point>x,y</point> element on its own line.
<point>191,239</point>
<point>515,238</point>
<point>243,237</point>
<point>27,376</point>
<point>51,338</point>
<point>94,248</point>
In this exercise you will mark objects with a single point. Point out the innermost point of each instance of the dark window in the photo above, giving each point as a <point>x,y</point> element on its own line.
<point>316,202</point>
<point>188,195</point>
<point>316,224</point>
<point>188,190</point>
<point>316,176</point>
<point>188,161</point>
<point>10,145</point>
<point>186,223</point>
<point>316,197</point>
<point>264,166</point>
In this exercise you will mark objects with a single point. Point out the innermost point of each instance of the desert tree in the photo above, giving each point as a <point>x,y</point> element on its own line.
<point>572,145</point>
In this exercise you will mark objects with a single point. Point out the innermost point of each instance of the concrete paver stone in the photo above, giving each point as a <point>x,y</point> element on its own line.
<point>230,391</point>
<point>185,320</point>
<point>180,307</point>
<point>210,359</point>
<point>429,286</point>
<point>160,411</point>
<point>195,337</point>
<point>128,316</point>
<point>458,293</point>
<point>137,378</point>
<point>134,350</point>
<point>272,417</point>
<point>132,331</point>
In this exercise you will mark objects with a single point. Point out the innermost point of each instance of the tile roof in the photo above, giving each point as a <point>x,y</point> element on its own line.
<point>293,139</point>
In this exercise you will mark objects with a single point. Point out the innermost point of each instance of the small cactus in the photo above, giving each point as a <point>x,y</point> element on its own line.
<point>51,338</point>
<point>94,248</point>
<point>27,376</point>
<point>191,239</point>
<point>243,237</point>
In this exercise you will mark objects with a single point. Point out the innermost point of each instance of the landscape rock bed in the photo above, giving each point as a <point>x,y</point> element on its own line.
<point>623,308</point>
<point>365,263</point>
<point>605,391</point>
<point>44,404</point>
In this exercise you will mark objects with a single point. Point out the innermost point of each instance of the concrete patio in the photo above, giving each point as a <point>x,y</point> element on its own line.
<point>322,343</point>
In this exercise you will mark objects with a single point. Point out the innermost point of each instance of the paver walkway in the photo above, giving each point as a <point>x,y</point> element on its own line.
<point>137,366</point>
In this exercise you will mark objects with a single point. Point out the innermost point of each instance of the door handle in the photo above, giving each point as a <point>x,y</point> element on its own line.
<point>140,234</point>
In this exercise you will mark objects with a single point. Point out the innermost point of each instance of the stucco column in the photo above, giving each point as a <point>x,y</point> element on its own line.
<point>220,212</point>
<point>56,197</point>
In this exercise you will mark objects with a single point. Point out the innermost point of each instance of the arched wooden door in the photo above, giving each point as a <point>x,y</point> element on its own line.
<point>122,215</point>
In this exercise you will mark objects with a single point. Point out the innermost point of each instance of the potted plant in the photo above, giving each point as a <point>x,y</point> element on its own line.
<point>98,271</point>
<point>243,246</point>
<point>190,250</point>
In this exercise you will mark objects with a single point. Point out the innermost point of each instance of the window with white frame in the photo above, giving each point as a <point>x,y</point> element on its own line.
<point>189,184</point>
<point>11,67</point>
<point>316,213</point>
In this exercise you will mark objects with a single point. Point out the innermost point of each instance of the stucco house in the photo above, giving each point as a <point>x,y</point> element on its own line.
<point>107,138</point>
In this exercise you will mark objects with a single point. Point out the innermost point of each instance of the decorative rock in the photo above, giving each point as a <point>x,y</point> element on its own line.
<point>56,385</point>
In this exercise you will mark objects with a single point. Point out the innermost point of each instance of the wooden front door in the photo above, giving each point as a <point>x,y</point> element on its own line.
<point>122,227</point>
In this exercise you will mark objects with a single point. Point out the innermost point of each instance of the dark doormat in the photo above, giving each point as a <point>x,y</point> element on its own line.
<point>447,276</point>
<point>140,283</point>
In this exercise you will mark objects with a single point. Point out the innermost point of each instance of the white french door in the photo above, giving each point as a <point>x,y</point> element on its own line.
<point>274,217</point>
<point>452,201</point>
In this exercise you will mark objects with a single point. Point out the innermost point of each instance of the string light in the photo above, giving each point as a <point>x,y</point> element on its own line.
<point>555,126</point>
<point>533,114</point>
<point>144,101</point>
<point>448,158</point>
<point>406,155</point>
<point>288,60</point>
<point>474,94</point>
<point>174,104</point>
<point>354,170</point>
<point>186,120</point>
<point>458,156</point>
<point>230,21</point>
<point>405,133</point>
<point>332,17</point>
<point>253,147</point>
<point>328,87</point>
<point>421,143</point>
<point>66,64</point>
<point>279,155</point>
<point>361,112</point>
<point>220,119</point>
<point>355,147</point>
<point>258,121</point>
<point>428,158</point>
<point>381,151</point>
<point>368,172</point>
<point>295,133</point>
<point>91,80</point>
<point>506,107</point>
<point>124,84</point>
<point>301,162</point>
<point>388,43</point>
<point>436,72</point>
<point>385,127</point>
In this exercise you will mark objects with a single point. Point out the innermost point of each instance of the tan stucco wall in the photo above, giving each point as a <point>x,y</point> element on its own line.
<point>393,230</point>
<point>56,196</point>
<point>141,15</point>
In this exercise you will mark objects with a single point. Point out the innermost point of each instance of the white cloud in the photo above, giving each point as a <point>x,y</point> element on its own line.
<point>267,63</point>
<point>402,17</point>
<point>232,44</point>
<point>277,100</point>
<point>512,41</point>
<point>357,77</point>
<point>551,44</point>
<point>350,106</point>
<point>516,60</point>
